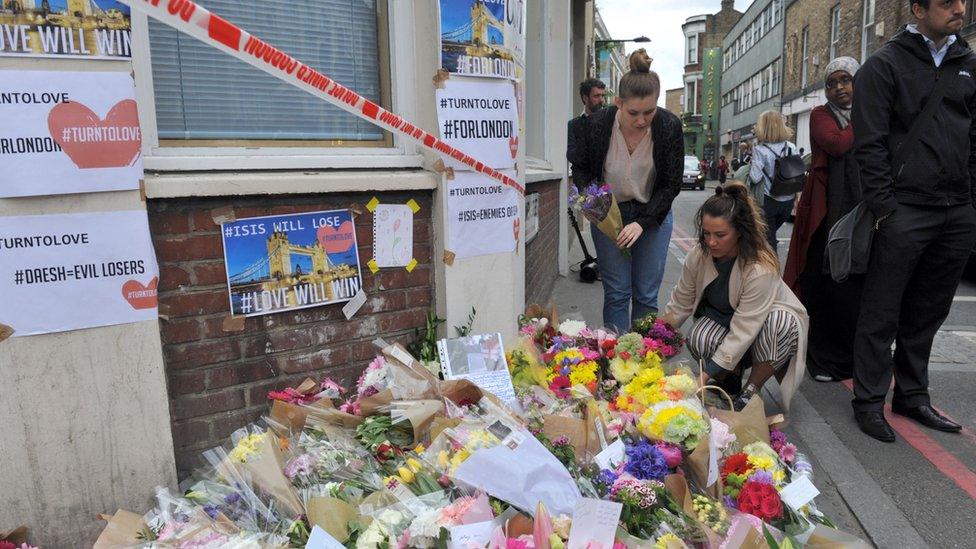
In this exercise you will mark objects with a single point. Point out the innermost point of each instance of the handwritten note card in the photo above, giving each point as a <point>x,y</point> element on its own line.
<point>799,492</point>
<point>320,539</point>
<point>392,235</point>
<point>594,524</point>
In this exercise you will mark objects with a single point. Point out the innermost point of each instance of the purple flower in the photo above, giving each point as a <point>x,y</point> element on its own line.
<point>606,478</point>
<point>762,477</point>
<point>777,439</point>
<point>646,462</point>
<point>730,502</point>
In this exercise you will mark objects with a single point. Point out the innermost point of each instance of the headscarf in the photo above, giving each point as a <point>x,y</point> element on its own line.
<point>850,66</point>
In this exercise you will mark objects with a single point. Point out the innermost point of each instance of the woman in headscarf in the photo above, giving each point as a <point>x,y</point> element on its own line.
<point>832,190</point>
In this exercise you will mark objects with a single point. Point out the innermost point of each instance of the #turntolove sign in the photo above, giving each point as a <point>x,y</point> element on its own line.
<point>72,271</point>
<point>68,132</point>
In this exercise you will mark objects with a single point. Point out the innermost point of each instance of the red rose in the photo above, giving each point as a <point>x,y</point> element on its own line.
<point>625,355</point>
<point>7,545</point>
<point>771,508</point>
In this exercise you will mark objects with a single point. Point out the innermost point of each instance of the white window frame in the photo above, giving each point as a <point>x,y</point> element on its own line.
<point>691,97</point>
<point>804,56</point>
<point>834,31</point>
<point>543,45</point>
<point>867,27</point>
<point>402,154</point>
<point>691,51</point>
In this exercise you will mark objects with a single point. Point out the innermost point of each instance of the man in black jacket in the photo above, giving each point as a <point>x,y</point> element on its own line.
<point>591,92</point>
<point>923,203</point>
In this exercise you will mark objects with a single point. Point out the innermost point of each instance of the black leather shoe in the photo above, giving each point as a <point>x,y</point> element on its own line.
<point>874,425</point>
<point>929,417</point>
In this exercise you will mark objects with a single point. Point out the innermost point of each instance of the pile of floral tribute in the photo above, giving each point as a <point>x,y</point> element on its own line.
<point>404,459</point>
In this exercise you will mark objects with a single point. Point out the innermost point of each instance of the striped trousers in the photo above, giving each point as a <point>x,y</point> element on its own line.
<point>776,343</point>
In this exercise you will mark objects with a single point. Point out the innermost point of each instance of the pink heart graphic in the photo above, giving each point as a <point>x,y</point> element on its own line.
<point>513,144</point>
<point>337,240</point>
<point>139,296</point>
<point>91,142</point>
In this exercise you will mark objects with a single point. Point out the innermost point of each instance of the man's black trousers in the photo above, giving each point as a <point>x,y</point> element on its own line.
<point>917,258</point>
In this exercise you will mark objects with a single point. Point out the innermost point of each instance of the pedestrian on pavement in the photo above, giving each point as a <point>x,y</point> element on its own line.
<point>744,157</point>
<point>723,170</point>
<point>730,284</point>
<point>638,149</point>
<point>919,185</point>
<point>832,189</point>
<point>591,94</point>
<point>773,136</point>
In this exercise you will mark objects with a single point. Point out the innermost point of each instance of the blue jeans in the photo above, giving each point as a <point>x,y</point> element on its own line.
<point>776,213</point>
<point>636,279</point>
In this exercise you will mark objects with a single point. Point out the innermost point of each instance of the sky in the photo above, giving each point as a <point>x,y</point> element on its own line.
<point>629,19</point>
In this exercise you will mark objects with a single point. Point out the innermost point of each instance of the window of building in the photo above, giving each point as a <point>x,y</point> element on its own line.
<point>764,77</point>
<point>867,33</point>
<point>775,85</point>
<point>691,98</point>
<point>692,50</point>
<point>201,94</point>
<point>834,30</point>
<point>804,56</point>
<point>756,31</point>
<point>777,11</point>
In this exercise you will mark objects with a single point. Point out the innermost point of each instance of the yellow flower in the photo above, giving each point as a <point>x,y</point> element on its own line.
<point>652,360</point>
<point>246,447</point>
<point>779,476</point>
<point>419,449</point>
<point>458,458</point>
<point>668,541</point>
<point>442,459</point>
<point>765,463</point>
<point>581,377</point>
<point>406,474</point>
<point>414,465</point>
<point>624,370</point>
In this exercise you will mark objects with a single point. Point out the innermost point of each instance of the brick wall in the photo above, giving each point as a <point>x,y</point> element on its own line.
<point>542,253</point>
<point>218,381</point>
<point>815,15</point>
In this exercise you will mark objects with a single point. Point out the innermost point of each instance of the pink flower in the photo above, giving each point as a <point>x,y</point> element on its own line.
<point>671,452</point>
<point>788,452</point>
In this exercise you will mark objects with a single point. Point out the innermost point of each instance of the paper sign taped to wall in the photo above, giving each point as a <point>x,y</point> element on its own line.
<point>72,271</point>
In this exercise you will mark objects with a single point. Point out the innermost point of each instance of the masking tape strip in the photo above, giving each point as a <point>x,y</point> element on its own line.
<point>356,208</point>
<point>6,332</point>
<point>196,21</point>
<point>412,265</point>
<point>373,266</point>
<point>223,215</point>
<point>372,204</point>
<point>412,204</point>
<point>440,167</point>
<point>233,323</point>
<point>440,77</point>
<point>142,190</point>
<point>449,257</point>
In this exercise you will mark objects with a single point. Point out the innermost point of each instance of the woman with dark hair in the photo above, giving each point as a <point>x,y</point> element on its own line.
<point>832,189</point>
<point>638,149</point>
<point>730,284</point>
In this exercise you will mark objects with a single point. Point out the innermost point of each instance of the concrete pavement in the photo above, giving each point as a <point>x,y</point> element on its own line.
<point>918,492</point>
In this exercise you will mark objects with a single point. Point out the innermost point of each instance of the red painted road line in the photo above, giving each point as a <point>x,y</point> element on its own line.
<point>935,453</point>
<point>683,237</point>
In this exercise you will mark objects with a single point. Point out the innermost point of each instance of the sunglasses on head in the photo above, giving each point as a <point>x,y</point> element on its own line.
<point>842,81</point>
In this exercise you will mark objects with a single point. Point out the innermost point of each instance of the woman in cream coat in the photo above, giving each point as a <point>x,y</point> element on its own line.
<point>730,284</point>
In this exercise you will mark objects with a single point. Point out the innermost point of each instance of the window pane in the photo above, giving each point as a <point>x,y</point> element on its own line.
<point>203,93</point>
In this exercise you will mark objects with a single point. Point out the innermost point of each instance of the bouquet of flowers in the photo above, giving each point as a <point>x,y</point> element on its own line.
<point>659,335</point>
<point>597,204</point>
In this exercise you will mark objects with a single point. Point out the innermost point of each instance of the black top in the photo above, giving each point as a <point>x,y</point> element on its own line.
<point>892,88</point>
<point>669,145</point>
<point>714,303</point>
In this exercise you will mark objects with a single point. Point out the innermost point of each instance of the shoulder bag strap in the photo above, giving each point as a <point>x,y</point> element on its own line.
<point>933,102</point>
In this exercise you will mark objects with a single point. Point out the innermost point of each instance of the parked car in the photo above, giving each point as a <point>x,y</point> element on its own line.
<point>693,177</point>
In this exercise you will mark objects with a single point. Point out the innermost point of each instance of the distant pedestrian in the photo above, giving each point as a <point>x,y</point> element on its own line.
<point>743,157</point>
<point>920,188</point>
<point>744,314</point>
<point>591,94</point>
<point>638,149</point>
<point>833,188</point>
<point>802,150</point>
<point>723,170</point>
<point>773,136</point>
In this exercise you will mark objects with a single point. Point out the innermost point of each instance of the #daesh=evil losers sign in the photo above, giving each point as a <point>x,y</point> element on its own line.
<point>287,262</point>
<point>72,271</point>
<point>68,132</point>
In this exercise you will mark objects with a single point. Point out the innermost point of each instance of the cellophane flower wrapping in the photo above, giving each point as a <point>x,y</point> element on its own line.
<point>597,204</point>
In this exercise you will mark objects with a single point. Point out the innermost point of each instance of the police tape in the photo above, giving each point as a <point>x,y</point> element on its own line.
<point>188,17</point>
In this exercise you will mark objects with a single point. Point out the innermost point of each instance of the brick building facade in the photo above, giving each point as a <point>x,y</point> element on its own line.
<point>702,32</point>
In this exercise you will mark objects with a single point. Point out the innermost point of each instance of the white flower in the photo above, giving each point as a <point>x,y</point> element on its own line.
<point>571,328</point>
<point>721,436</point>
<point>425,529</point>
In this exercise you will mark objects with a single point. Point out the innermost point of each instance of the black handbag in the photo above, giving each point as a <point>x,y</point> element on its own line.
<point>849,240</point>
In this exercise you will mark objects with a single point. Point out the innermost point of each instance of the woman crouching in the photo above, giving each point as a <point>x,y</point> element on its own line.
<point>743,312</point>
